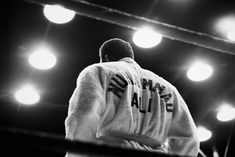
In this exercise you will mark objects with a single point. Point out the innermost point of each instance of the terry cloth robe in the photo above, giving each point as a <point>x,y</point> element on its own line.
<point>121,103</point>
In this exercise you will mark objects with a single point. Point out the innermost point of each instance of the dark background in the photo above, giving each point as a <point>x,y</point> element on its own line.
<point>76,46</point>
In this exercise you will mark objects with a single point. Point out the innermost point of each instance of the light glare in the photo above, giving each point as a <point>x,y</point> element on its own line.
<point>204,134</point>
<point>199,71</point>
<point>27,95</point>
<point>146,38</point>
<point>58,14</point>
<point>42,58</point>
<point>226,113</point>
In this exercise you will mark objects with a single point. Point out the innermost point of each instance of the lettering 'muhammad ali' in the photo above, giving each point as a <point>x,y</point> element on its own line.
<point>118,84</point>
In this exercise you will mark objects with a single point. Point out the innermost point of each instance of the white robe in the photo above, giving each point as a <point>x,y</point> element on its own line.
<point>121,103</point>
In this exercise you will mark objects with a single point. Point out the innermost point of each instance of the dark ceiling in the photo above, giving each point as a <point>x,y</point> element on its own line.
<point>76,46</point>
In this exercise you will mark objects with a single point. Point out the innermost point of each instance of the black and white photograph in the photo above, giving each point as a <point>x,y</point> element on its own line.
<point>117,78</point>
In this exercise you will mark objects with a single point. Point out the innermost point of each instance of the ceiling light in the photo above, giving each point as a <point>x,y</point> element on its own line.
<point>27,95</point>
<point>199,71</point>
<point>146,38</point>
<point>204,134</point>
<point>42,58</point>
<point>58,14</point>
<point>226,113</point>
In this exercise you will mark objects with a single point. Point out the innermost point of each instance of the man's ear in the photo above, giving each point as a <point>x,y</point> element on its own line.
<point>106,58</point>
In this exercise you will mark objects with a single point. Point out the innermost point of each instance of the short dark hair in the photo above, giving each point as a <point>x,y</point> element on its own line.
<point>115,49</point>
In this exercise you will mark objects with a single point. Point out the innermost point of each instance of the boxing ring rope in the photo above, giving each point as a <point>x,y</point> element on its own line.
<point>14,139</point>
<point>134,22</point>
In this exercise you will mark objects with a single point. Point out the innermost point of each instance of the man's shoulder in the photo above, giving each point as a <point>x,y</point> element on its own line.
<point>98,68</point>
<point>104,66</point>
<point>108,66</point>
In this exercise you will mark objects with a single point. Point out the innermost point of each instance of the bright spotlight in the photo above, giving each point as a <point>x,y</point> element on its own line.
<point>226,27</point>
<point>199,71</point>
<point>146,38</point>
<point>58,14</point>
<point>42,58</point>
<point>226,113</point>
<point>204,134</point>
<point>27,95</point>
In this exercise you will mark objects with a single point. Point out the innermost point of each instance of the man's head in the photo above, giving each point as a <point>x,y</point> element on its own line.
<point>114,50</point>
